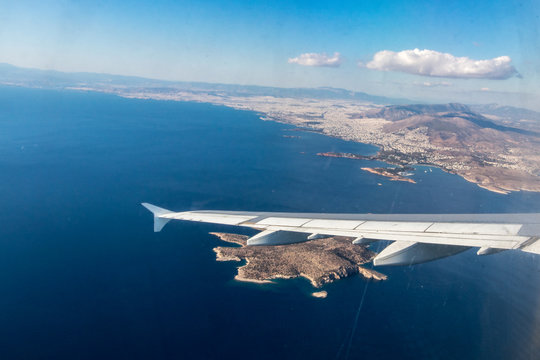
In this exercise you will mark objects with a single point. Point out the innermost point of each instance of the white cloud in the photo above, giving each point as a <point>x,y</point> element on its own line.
<point>433,83</point>
<point>437,64</point>
<point>315,59</point>
<point>485,89</point>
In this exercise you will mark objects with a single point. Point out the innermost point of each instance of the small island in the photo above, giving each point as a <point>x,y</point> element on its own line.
<point>346,156</point>
<point>394,174</point>
<point>398,173</point>
<point>320,294</point>
<point>320,261</point>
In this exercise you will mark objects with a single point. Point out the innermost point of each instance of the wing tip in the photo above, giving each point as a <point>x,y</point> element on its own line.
<point>157,211</point>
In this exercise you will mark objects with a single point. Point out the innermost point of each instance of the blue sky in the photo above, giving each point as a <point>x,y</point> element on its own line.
<point>250,42</point>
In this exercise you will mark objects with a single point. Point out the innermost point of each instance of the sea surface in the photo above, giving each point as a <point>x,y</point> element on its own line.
<point>82,275</point>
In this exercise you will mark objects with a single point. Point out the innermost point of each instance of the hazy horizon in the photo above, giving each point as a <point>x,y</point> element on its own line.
<point>401,100</point>
<point>425,51</point>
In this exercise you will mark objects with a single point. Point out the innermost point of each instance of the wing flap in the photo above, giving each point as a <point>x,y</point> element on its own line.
<point>409,253</point>
<point>333,224</point>
<point>475,228</point>
<point>533,247</point>
<point>283,221</point>
<point>471,240</point>
<point>279,237</point>
<point>394,226</point>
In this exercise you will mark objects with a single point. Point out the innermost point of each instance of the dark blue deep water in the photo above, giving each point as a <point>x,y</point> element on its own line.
<point>82,275</point>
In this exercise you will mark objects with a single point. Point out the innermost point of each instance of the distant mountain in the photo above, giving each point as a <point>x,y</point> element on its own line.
<point>57,79</point>
<point>395,113</point>
<point>506,111</point>
<point>312,93</point>
<point>502,115</point>
<point>510,116</point>
<point>449,118</point>
<point>13,75</point>
<point>495,156</point>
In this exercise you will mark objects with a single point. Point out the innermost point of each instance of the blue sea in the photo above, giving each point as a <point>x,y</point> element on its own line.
<point>83,276</point>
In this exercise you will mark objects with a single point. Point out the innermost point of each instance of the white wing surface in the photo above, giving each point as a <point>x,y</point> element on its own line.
<point>416,237</point>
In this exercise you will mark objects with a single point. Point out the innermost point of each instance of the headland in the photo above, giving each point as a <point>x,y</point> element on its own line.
<point>320,261</point>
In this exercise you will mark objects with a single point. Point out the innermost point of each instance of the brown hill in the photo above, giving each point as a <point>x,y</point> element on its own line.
<point>495,156</point>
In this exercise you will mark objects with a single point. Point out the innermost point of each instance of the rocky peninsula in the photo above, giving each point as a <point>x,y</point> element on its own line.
<point>320,261</point>
<point>399,173</point>
<point>394,174</point>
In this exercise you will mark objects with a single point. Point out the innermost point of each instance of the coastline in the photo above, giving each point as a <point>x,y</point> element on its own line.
<point>319,261</point>
<point>498,176</point>
<point>387,174</point>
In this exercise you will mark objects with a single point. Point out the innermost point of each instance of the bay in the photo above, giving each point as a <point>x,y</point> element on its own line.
<point>83,275</point>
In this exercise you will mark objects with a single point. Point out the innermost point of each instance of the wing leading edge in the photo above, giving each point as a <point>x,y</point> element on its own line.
<point>416,237</point>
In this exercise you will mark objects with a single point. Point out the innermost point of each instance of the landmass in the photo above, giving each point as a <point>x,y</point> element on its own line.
<point>320,294</point>
<point>393,173</point>
<point>346,156</point>
<point>451,137</point>
<point>492,146</point>
<point>320,261</point>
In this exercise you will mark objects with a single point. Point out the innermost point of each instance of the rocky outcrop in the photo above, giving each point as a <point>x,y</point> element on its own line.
<point>320,261</point>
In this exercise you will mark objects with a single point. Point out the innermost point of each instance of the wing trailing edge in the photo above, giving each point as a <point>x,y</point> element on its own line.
<point>415,238</point>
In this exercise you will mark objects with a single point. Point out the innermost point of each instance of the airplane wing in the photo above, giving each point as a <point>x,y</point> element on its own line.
<point>416,238</point>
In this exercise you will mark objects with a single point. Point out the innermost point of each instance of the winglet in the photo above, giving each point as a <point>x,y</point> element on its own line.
<point>159,222</point>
